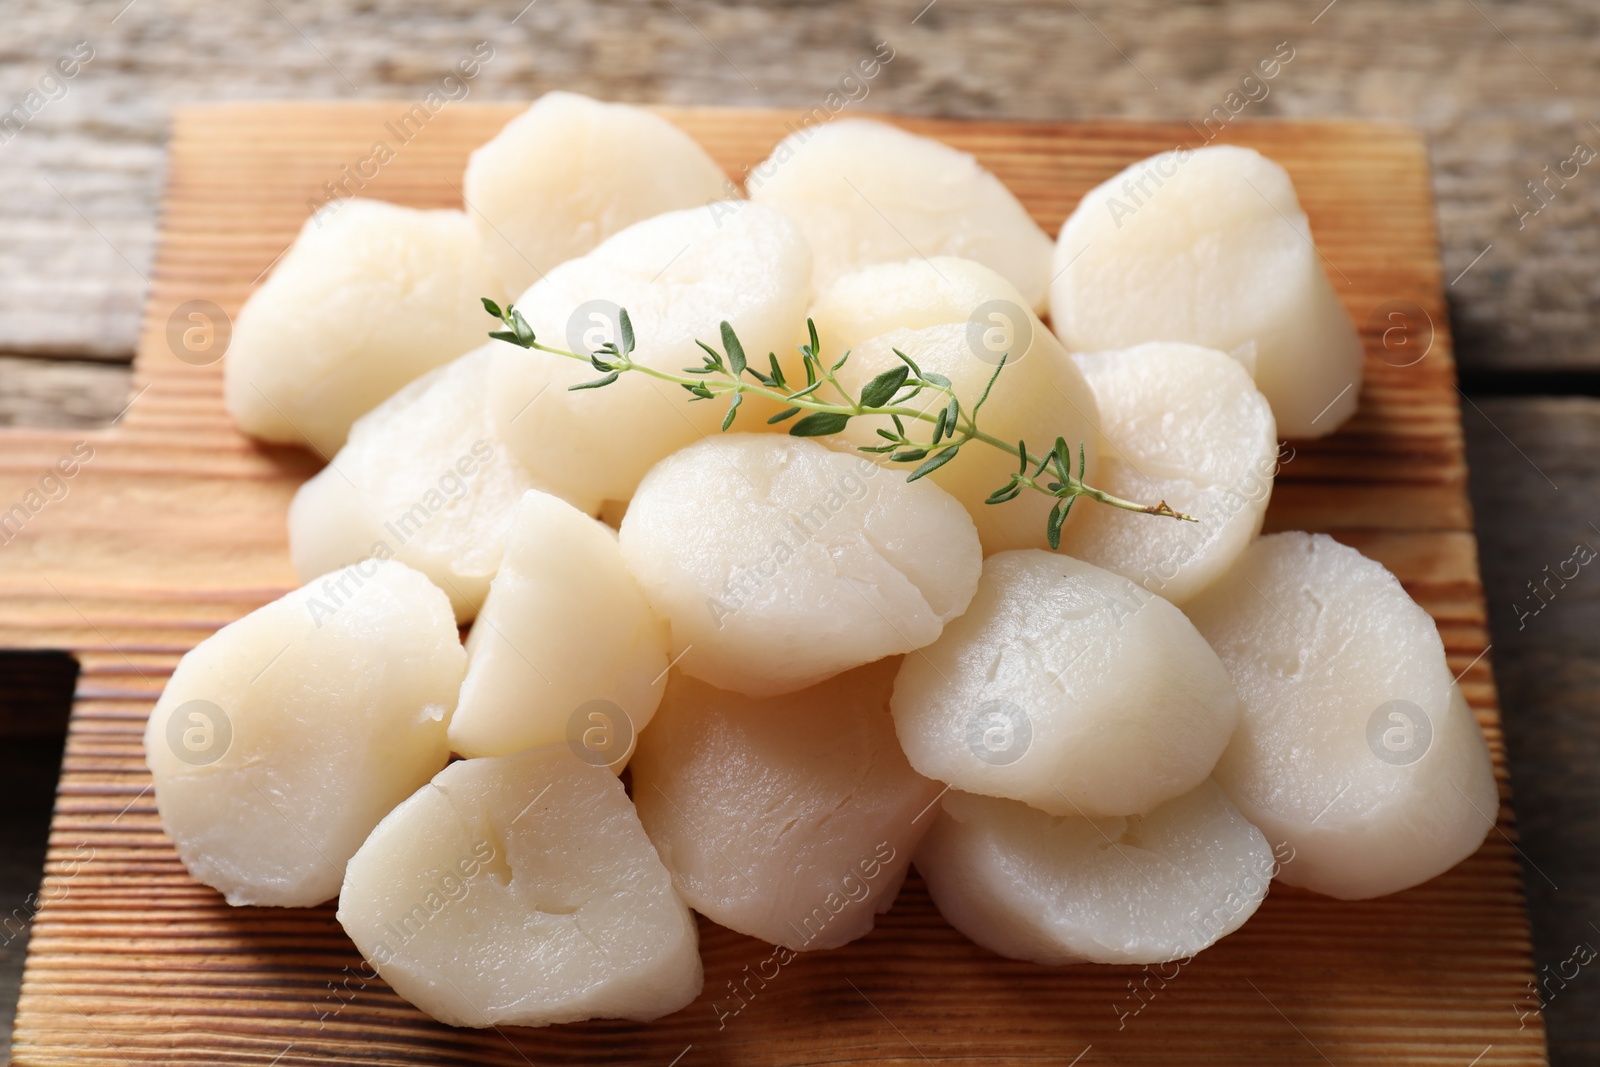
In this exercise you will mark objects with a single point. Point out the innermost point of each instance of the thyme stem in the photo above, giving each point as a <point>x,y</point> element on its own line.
<point>728,374</point>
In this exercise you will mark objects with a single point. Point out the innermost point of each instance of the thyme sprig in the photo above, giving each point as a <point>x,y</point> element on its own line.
<point>729,373</point>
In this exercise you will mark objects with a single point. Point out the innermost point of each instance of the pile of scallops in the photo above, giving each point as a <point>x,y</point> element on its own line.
<point>814,672</point>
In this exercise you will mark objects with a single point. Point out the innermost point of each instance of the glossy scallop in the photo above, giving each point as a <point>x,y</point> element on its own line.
<point>369,297</point>
<point>1066,687</point>
<point>867,192</point>
<point>422,478</point>
<point>1356,748</point>
<point>565,633</point>
<point>1210,247</point>
<point>283,738</point>
<point>571,171</point>
<point>779,562</point>
<point>679,276</point>
<point>958,318</point>
<point>1067,889</point>
<point>1185,425</point>
<point>521,891</point>
<point>792,818</point>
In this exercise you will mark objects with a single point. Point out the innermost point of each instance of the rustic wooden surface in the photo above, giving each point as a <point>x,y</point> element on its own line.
<point>1501,87</point>
<point>72,285</point>
<point>1548,668</point>
<point>176,526</point>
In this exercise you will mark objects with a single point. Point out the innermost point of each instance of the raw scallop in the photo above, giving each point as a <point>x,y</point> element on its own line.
<point>790,819</point>
<point>565,644</point>
<point>679,276</point>
<point>283,738</point>
<point>1034,400</point>
<point>1210,247</point>
<point>780,563</point>
<point>521,891</point>
<point>369,297</point>
<point>1139,889</point>
<point>1186,425</point>
<point>866,192</point>
<point>570,172</point>
<point>957,318</point>
<point>913,293</point>
<point>1356,747</point>
<point>1066,687</point>
<point>423,479</point>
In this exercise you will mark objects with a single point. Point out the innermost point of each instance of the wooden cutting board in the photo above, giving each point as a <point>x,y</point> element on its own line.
<point>175,527</point>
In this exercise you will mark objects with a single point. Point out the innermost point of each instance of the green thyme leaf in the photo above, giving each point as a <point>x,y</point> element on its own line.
<point>525,336</point>
<point>1009,491</point>
<point>810,361</point>
<point>881,390</point>
<point>934,464</point>
<point>819,424</point>
<point>625,324</point>
<point>597,383</point>
<point>713,357</point>
<point>1061,457</point>
<point>735,350</point>
<point>728,373</point>
<point>1052,526</point>
<point>909,362</point>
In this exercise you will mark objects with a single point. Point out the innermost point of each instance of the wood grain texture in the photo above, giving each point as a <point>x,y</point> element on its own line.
<point>175,527</point>
<point>1502,88</point>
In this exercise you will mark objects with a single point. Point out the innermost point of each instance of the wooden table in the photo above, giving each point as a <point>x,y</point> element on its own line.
<point>1501,89</point>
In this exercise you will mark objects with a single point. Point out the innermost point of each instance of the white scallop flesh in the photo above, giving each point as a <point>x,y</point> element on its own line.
<point>934,291</point>
<point>1069,688</point>
<point>369,297</point>
<point>780,563</point>
<point>424,479</point>
<point>571,171</point>
<point>521,890</point>
<point>1210,247</point>
<point>282,739</point>
<point>1037,398</point>
<point>564,626</point>
<point>1357,748</point>
<point>1067,889</point>
<point>913,293</point>
<point>866,192</point>
<point>791,819</point>
<point>1185,425</point>
<point>1039,395</point>
<point>679,276</point>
